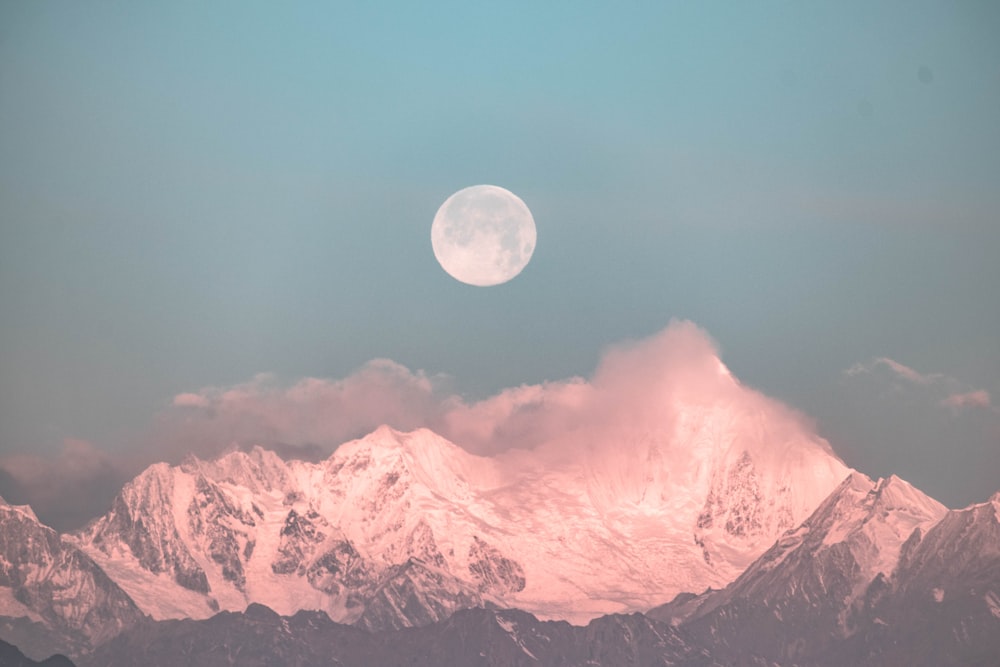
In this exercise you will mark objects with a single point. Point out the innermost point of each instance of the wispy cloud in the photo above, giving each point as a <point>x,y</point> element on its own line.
<point>638,386</point>
<point>899,370</point>
<point>979,398</point>
<point>310,414</point>
<point>944,390</point>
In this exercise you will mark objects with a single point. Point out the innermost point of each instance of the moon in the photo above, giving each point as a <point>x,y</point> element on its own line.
<point>483,235</point>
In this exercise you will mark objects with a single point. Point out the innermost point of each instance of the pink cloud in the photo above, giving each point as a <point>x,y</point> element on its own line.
<point>311,414</point>
<point>190,401</point>
<point>933,388</point>
<point>970,399</point>
<point>637,387</point>
<point>892,378</point>
<point>641,391</point>
<point>899,370</point>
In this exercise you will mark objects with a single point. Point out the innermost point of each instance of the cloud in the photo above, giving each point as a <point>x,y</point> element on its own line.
<point>938,388</point>
<point>190,401</point>
<point>933,429</point>
<point>640,389</point>
<point>897,369</point>
<point>64,490</point>
<point>629,388</point>
<point>979,398</point>
<point>306,417</point>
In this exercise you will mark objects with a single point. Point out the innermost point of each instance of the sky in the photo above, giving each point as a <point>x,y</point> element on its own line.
<point>207,201</point>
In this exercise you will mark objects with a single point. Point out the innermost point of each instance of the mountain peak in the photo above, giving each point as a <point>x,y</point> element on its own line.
<point>384,436</point>
<point>386,432</point>
<point>23,509</point>
<point>895,493</point>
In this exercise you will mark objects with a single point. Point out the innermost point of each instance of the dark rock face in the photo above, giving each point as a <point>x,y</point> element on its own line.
<point>76,603</point>
<point>422,545</point>
<point>309,547</point>
<point>495,573</point>
<point>225,525</point>
<point>734,501</point>
<point>414,594</point>
<point>299,537</point>
<point>943,607</point>
<point>739,509</point>
<point>133,521</point>
<point>338,567</point>
<point>258,637</point>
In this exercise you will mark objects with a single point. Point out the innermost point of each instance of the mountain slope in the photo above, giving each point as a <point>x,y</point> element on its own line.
<point>52,595</point>
<point>943,607</point>
<point>806,592</point>
<point>879,574</point>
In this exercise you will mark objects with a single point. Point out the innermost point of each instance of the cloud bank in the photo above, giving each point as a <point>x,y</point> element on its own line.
<point>636,388</point>
<point>639,387</point>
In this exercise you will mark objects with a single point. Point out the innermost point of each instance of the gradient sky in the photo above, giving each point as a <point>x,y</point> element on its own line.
<point>194,193</point>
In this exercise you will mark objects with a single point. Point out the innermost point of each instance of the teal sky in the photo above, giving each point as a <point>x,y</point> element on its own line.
<point>193,193</point>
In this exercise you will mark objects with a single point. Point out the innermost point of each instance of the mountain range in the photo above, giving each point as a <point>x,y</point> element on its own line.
<point>406,546</point>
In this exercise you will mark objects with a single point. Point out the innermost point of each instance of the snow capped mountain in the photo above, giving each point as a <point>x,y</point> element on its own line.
<point>343,536</point>
<point>400,529</point>
<point>856,533</point>
<point>406,529</point>
<point>52,595</point>
<point>943,607</point>
<point>959,555</point>
<point>853,578</point>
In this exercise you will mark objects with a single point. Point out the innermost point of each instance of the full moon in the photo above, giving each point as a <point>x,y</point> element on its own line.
<point>483,235</point>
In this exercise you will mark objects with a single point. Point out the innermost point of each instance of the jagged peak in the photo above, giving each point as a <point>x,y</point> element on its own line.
<point>156,473</point>
<point>256,611</point>
<point>855,485</point>
<point>22,509</point>
<point>385,432</point>
<point>894,492</point>
<point>191,464</point>
<point>858,481</point>
<point>386,439</point>
<point>235,456</point>
<point>992,505</point>
<point>884,495</point>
